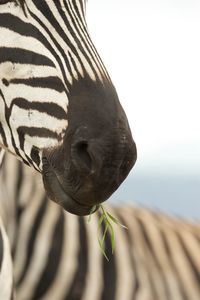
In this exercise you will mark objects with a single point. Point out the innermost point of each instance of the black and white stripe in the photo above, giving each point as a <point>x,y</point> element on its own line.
<point>42,53</point>
<point>47,60</point>
<point>56,255</point>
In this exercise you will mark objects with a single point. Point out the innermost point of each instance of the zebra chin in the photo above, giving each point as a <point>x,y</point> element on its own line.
<point>57,194</point>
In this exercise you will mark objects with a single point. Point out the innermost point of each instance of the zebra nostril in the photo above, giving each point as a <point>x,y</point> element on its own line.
<point>82,155</point>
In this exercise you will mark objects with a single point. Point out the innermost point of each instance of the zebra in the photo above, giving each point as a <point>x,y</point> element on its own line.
<point>56,255</point>
<point>59,111</point>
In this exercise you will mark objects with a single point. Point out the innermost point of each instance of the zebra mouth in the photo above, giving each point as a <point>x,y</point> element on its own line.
<point>57,194</point>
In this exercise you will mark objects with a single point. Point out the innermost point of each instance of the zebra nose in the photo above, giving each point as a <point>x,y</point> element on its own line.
<point>85,157</point>
<point>84,151</point>
<point>81,155</point>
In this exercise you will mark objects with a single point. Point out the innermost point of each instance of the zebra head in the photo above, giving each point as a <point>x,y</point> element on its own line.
<point>59,111</point>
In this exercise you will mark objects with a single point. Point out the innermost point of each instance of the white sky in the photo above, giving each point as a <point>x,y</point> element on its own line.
<point>151,49</point>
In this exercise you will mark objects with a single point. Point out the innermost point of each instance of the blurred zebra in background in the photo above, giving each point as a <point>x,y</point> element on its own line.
<point>56,255</point>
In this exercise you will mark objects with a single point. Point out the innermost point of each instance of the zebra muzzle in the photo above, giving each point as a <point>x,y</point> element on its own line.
<point>57,194</point>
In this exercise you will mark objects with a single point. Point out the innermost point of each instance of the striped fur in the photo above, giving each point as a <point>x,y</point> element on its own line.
<point>56,99</point>
<point>36,85</point>
<point>56,255</point>
<point>59,111</point>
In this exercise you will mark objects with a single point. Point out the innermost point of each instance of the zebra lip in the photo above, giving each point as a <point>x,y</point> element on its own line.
<point>76,208</point>
<point>56,193</point>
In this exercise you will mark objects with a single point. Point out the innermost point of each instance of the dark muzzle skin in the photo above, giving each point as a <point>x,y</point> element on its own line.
<point>57,193</point>
<point>97,153</point>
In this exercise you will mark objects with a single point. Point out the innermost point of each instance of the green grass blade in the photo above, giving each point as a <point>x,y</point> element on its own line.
<point>102,249</point>
<point>101,221</point>
<point>116,221</point>
<point>112,236</point>
<point>107,219</point>
<point>102,242</point>
<point>91,212</point>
